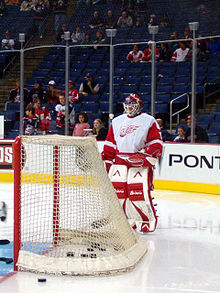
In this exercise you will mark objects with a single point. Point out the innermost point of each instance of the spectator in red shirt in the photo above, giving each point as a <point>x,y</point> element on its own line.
<point>136,55</point>
<point>43,116</point>
<point>73,93</point>
<point>148,53</point>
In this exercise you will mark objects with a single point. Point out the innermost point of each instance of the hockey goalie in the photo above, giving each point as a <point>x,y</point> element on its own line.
<point>132,147</point>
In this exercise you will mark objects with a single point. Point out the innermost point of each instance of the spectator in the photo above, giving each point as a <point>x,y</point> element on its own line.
<point>199,54</point>
<point>78,36</point>
<point>148,53</point>
<point>8,43</point>
<point>200,134</point>
<point>203,45</point>
<point>136,55</point>
<point>60,36</point>
<point>73,93</point>
<point>181,135</point>
<point>52,93</point>
<point>99,130</point>
<point>180,54</point>
<point>37,93</point>
<point>110,21</point>
<point>99,39</point>
<point>166,136</point>
<point>30,121</point>
<point>96,20</point>
<point>214,46</point>
<point>40,11</point>
<point>3,9</point>
<point>90,86</point>
<point>174,45</point>
<point>165,22</point>
<point>165,53</point>
<point>153,20</point>
<point>60,118</point>
<point>15,93</point>
<point>138,21</point>
<point>124,20</point>
<point>60,14</point>
<point>27,5</point>
<point>82,124</point>
<point>187,33</point>
<point>87,40</point>
<point>43,117</point>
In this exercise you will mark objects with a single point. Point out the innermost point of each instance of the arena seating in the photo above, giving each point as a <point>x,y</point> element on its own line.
<point>129,77</point>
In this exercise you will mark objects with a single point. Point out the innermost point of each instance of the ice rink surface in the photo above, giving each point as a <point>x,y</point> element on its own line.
<point>183,253</point>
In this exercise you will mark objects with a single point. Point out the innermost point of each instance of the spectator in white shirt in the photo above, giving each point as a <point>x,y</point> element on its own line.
<point>78,36</point>
<point>136,55</point>
<point>180,54</point>
<point>125,20</point>
<point>8,43</point>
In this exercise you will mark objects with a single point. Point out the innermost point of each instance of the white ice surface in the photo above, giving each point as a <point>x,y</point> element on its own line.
<point>183,254</point>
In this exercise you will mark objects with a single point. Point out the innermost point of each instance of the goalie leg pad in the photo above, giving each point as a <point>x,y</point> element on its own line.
<point>118,177</point>
<point>139,194</point>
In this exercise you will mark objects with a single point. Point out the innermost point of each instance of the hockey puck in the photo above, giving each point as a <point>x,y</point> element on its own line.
<point>93,255</point>
<point>90,249</point>
<point>84,255</point>
<point>70,254</point>
<point>42,280</point>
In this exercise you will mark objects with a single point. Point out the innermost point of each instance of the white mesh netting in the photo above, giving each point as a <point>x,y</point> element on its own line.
<point>71,220</point>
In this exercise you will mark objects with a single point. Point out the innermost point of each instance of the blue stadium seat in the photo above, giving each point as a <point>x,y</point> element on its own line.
<point>90,107</point>
<point>160,108</point>
<point>214,139</point>
<point>132,88</point>
<point>205,118</point>
<point>146,88</point>
<point>146,98</point>
<point>215,129</point>
<point>180,89</point>
<point>217,118</point>
<point>13,107</point>
<point>104,107</point>
<point>166,89</point>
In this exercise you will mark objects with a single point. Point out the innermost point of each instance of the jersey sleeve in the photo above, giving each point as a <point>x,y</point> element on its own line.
<point>109,150</point>
<point>154,143</point>
<point>174,56</point>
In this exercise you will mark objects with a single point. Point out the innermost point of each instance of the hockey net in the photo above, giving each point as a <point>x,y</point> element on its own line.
<point>67,216</point>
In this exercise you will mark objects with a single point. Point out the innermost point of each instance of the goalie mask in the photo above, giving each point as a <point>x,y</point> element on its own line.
<point>133,105</point>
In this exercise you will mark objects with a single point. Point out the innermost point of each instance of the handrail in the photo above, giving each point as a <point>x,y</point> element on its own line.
<point>181,110</point>
<point>26,44</point>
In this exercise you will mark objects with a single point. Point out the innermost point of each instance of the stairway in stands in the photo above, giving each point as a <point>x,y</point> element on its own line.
<point>31,58</point>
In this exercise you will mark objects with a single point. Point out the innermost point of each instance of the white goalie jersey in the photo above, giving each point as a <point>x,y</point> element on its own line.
<point>134,144</point>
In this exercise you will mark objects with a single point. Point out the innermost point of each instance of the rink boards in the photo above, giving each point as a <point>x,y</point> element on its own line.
<point>183,167</point>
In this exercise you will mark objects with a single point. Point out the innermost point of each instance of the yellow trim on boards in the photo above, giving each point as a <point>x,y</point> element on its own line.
<point>7,177</point>
<point>187,186</point>
<point>158,184</point>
